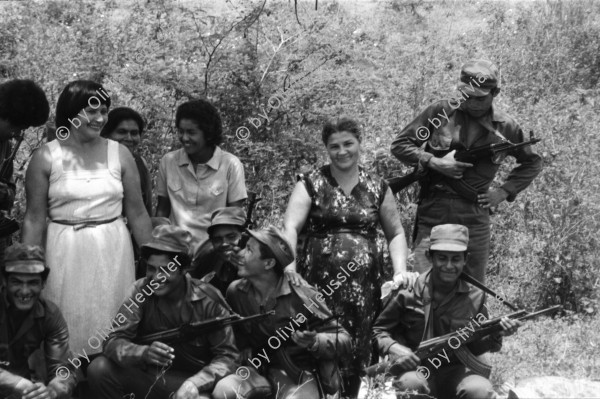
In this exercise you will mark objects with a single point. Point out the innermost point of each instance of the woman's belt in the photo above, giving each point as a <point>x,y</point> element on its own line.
<point>371,234</point>
<point>82,225</point>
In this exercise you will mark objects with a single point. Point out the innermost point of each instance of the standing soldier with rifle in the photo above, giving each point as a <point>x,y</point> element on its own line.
<point>455,189</point>
<point>22,104</point>
<point>166,299</point>
<point>440,303</point>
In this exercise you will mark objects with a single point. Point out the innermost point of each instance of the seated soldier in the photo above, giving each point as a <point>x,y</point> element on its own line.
<point>167,298</point>
<point>284,349</point>
<point>444,303</point>
<point>225,232</point>
<point>27,321</point>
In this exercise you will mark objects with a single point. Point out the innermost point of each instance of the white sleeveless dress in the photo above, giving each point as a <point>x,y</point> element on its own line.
<point>91,268</point>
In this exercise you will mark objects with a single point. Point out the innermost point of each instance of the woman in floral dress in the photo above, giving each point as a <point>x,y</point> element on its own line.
<point>339,207</point>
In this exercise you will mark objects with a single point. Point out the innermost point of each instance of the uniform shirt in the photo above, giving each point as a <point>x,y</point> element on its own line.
<point>447,125</point>
<point>195,194</point>
<point>294,307</point>
<point>43,324</point>
<point>210,356</point>
<point>403,318</point>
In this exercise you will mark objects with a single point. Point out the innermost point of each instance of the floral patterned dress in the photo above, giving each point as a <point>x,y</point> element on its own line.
<point>340,254</point>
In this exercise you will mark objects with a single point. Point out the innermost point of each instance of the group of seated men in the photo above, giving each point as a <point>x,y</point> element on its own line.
<point>292,353</point>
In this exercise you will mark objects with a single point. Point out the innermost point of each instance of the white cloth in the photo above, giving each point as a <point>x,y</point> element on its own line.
<point>91,268</point>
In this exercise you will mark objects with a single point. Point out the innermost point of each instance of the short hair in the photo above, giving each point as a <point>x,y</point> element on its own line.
<point>75,97</point>
<point>23,103</point>
<point>341,125</point>
<point>182,258</point>
<point>118,115</point>
<point>266,253</point>
<point>206,116</point>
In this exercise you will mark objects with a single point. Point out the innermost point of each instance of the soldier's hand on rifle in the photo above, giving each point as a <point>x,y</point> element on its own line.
<point>187,390</point>
<point>492,198</point>
<point>448,166</point>
<point>39,391</point>
<point>403,356</point>
<point>158,354</point>
<point>509,326</point>
<point>305,339</point>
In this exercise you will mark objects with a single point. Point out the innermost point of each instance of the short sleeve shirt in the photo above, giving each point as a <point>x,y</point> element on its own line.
<point>195,194</point>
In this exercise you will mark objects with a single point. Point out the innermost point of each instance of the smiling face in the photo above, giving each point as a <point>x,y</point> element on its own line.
<point>127,133</point>
<point>224,238</point>
<point>23,290</point>
<point>447,266</point>
<point>192,137</point>
<point>170,283</point>
<point>253,264</point>
<point>91,121</point>
<point>343,149</point>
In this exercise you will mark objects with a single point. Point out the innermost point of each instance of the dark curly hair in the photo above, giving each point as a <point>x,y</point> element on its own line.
<point>119,115</point>
<point>75,97</point>
<point>206,116</point>
<point>341,125</point>
<point>23,103</point>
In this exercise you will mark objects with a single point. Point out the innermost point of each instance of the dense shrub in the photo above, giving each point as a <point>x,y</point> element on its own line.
<point>380,64</point>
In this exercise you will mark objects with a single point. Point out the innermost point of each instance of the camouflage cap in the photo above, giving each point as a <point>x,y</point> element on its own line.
<point>169,238</point>
<point>22,258</point>
<point>478,78</point>
<point>273,238</point>
<point>449,237</point>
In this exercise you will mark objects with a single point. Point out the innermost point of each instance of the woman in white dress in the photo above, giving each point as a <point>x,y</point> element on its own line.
<point>82,182</point>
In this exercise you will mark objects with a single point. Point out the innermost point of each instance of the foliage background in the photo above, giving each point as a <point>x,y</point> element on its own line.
<point>379,62</point>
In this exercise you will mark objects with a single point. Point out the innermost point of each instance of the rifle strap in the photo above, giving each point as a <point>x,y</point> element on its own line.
<point>471,361</point>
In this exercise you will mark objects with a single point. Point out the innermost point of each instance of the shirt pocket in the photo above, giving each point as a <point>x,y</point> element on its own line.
<point>216,189</point>
<point>178,192</point>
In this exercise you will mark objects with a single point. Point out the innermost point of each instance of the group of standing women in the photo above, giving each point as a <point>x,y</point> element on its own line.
<point>81,188</point>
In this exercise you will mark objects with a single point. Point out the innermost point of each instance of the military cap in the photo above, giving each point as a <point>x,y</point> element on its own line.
<point>22,258</point>
<point>169,238</point>
<point>274,239</point>
<point>231,215</point>
<point>478,78</point>
<point>449,237</point>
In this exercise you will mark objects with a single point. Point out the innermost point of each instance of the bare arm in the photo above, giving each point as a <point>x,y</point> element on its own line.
<point>394,234</point>
<point>132,202</point>
<point>296,215</point>
<point>36,191</point>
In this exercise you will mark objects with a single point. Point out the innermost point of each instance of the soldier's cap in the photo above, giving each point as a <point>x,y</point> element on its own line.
<point>478,78</point>
<point>449,237</point>
<point>231,215</point>
<point>169,238</point>
<point>22,258</point>
<point>274,239</point>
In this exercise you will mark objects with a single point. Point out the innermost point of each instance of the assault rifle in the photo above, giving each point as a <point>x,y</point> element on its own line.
<point>433,346</point>
<point>463,154</point>
<point>253,198</point>
<point>189,331</point>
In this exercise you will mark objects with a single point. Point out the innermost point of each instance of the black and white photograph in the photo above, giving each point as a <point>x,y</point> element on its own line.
<point>299,199</point>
